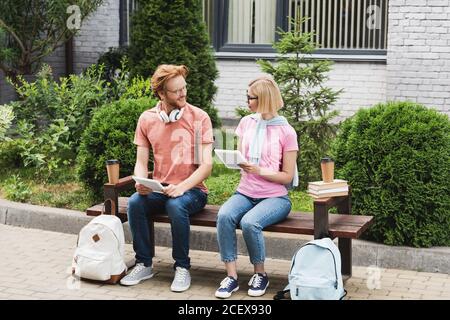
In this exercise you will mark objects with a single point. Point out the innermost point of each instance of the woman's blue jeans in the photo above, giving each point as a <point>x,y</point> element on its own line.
<point>252,215</point>
<point>140,208</point>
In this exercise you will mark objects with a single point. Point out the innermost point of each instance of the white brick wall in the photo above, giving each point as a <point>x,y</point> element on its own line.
<point>364,84</point>
<point>418,59</point>
<point>98,33</point>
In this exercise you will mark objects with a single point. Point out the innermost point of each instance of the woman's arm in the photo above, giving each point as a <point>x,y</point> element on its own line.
<point>284,176</point>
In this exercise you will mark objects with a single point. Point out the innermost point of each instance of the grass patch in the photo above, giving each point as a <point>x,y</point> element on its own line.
<point>61,190</point>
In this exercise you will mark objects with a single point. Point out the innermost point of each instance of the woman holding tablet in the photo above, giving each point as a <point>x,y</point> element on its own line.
<point>270,147</point>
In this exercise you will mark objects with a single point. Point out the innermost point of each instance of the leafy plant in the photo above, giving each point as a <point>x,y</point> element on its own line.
<point>10,154</point>
<point>6,118</point>
<point>396,157</point>
<point>306,99</point>
<point>112,60</point>
<point>242,112</point>
<point>16,190</point>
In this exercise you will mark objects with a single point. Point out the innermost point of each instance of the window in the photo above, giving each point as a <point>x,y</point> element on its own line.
<point>340,26</point>
<point>251,21</point>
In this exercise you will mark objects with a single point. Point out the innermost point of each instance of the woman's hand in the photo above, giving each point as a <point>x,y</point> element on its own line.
<point>174,190</point>
<point>142,190</point>
<point>250,168</point>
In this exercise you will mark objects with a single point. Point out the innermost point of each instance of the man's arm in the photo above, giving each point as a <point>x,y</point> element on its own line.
<point>200,174</point>
<point>141,169</point>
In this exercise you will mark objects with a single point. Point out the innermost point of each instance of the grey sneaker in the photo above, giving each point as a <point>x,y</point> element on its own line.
<point>139,273</point>
<point>182,280</point>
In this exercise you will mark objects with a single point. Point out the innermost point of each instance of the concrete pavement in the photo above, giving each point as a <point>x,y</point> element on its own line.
<point>278,246</point>
<point>35,264</point>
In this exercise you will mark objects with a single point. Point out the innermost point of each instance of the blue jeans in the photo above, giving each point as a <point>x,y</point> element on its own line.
<point>140,208</point>
<point>253,215</point>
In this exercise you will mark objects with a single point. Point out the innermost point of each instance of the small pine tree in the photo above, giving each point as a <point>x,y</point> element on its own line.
<point>306,100</point>
<point>173,32</point>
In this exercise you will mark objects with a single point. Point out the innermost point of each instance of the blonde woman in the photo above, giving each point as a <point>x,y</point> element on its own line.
<point>270,147</point>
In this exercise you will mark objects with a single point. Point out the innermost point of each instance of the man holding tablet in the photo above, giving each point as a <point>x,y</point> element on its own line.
<point>181,138</point>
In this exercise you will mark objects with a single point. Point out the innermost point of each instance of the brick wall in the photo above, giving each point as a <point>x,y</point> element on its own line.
<point>364,84</point>
<point>418,59</point>
<point>98,33</point>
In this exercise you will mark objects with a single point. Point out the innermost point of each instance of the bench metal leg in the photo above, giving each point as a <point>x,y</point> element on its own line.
<point>345,247</point>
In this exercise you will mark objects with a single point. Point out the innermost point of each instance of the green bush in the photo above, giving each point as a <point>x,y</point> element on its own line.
<point>396,157</point>
<point>173,32</point>
<point>110,135</point>
<point>10,154</point>
<point>112,61</point>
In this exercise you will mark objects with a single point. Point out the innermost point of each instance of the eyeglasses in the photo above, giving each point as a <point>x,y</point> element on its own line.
<point>251,98</point>
<point>178,92</point>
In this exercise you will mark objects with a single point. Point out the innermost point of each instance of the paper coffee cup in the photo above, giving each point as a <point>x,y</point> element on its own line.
<point>112,167</point>
<point>327,166</point>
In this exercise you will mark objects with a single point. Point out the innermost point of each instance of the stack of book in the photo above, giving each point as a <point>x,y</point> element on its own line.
<point>320,189</point>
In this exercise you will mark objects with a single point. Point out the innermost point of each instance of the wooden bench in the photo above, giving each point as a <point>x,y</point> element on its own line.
<point>343,225</point>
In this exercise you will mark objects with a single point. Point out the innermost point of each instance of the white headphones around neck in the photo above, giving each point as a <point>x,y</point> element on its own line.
<point>174,115</point>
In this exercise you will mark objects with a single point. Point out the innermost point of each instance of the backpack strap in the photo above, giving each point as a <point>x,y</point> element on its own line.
<point>283,295</point>
<point>113,206</point>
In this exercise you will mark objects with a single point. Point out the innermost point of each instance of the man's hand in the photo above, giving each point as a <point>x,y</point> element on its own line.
<point>174,190</point>
<point>250,168</point>
<point>142,190</point>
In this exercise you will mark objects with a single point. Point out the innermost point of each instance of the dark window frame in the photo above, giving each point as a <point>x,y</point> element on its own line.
<point>219,41</point>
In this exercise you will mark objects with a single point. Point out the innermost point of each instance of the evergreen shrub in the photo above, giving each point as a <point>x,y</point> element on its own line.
<point>110,135</point>
<point>396,157</point>
<point>173,32</point>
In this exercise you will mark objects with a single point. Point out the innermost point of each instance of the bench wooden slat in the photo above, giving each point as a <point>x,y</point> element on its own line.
<point>340,225</point>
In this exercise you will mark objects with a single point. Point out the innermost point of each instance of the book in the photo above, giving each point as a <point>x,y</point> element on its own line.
<point>230,158</point>
<point>328,195</point>
<point>320,185</point>
<point>331,190</point>
<point>155,185</point>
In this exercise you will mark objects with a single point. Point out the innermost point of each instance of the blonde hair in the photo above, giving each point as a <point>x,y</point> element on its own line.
<point>164,73</point>
<point>268,93</point>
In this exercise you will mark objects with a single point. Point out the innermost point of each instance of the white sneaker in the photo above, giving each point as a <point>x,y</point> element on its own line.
<point>139,273</point>
<point>182,280</point>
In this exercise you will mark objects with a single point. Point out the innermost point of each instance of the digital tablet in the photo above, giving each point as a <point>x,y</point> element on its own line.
<point>155,185</point>
<point>230,158</point>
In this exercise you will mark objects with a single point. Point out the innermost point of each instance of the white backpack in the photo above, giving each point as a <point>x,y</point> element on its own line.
<point>100,250</point>
<point>316,272</point>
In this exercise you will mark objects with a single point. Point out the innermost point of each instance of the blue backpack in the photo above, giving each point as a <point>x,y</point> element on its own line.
<point>316,272</point>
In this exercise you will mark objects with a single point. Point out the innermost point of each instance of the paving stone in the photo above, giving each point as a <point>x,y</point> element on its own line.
<point>42,271</point>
